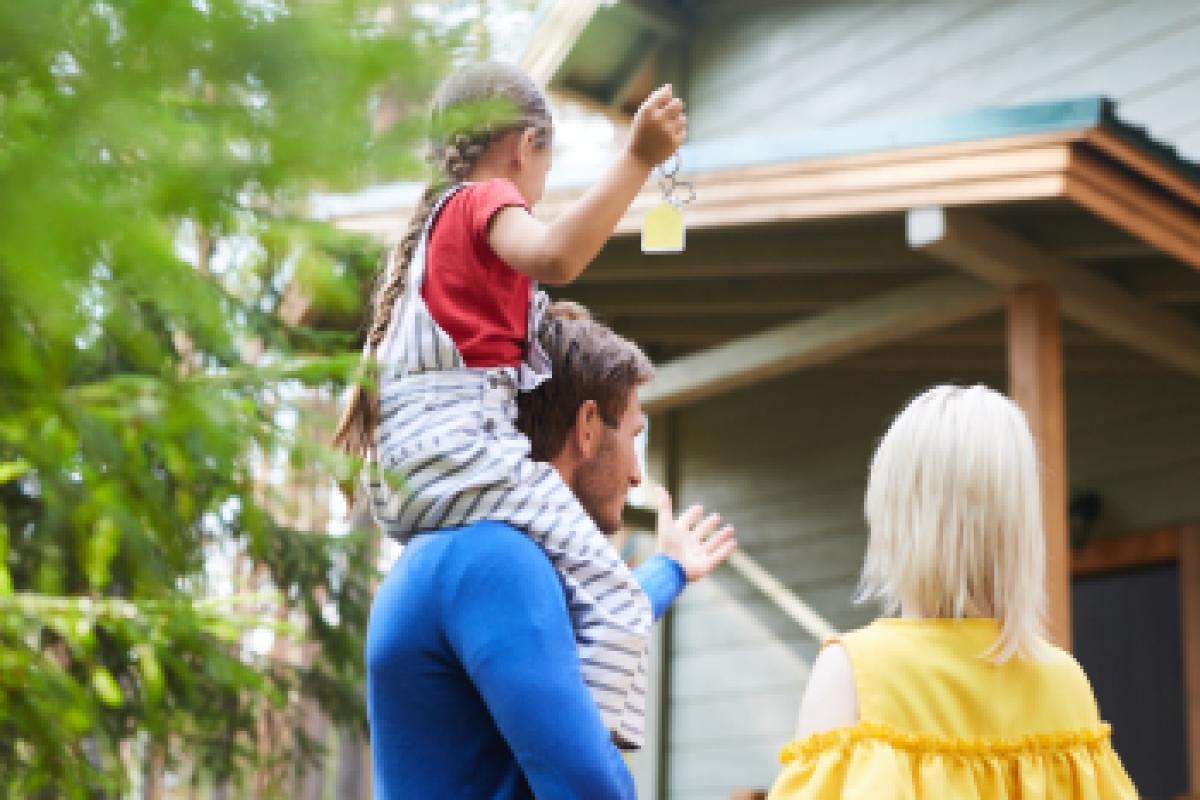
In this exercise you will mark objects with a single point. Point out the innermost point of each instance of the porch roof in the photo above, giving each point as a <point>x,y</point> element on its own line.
<point>818,226</point>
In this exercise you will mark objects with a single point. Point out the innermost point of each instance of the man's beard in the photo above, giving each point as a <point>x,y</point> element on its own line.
<point>597,485</point>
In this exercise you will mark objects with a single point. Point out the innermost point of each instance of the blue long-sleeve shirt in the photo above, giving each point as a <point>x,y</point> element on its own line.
<point>473,681</point>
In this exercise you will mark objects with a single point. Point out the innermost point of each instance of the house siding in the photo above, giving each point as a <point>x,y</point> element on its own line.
<point>823,63</point>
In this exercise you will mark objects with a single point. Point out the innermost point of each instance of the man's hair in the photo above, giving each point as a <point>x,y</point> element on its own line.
<point>589,362</point>
<point>955,516</point>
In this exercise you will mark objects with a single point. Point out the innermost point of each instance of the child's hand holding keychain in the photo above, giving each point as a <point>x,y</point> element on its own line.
<point>663,229</point>
<point>658,129</point>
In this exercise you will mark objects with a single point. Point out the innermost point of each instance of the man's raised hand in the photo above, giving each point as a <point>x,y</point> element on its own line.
<point>692,539</point>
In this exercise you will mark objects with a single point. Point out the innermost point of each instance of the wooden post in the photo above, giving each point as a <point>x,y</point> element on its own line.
<point>1189,603</point>
<point>1035,374</point>
<point>670,448</point>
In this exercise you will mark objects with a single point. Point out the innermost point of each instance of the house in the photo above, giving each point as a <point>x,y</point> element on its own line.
<point>891,194</point>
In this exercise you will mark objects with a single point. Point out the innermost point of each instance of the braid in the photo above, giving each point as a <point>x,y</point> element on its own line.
<point>392,281</point>
<point>462,152</point>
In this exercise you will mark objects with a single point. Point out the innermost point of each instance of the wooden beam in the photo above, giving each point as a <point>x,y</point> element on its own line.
<point>749,208</point>
<point>794,294</point>
<point>1074,233</point>
<point>557,31</point>
<point>661,17</point>
<point>1189,600</point>
<point>1156,280</point>
<point>1145,163</point>
<point>633,305</point>
<point>791,251</point>
<point>845,187</point>
<point>1035,374</point>
<point>904,155</point>
<point>816,340</point>
<point>1145,210</point>
<point>644,55</point>
<point>966,362</point>
<point>781,596</point>
<point>942,348</point>
<point>976,246</point>
<point>1125,552</point>
<point>783,184</point>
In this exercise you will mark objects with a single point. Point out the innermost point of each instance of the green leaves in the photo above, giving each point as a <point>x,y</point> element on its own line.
<point>150,672</point>
<point>160,416</point>
<point>99,550</point>
<point>105,686</point>
<point>12,469</point>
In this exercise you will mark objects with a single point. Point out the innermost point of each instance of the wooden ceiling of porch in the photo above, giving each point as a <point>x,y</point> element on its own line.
<point>732,282</point>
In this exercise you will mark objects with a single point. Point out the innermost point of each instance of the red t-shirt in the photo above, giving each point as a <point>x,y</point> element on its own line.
<point>476,298</point>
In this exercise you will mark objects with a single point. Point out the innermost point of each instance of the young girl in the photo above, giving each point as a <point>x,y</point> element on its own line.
<point>960,696</point>
<point>455,337</point>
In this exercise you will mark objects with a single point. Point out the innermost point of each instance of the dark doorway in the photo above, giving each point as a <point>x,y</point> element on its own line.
<point>1127,637</point>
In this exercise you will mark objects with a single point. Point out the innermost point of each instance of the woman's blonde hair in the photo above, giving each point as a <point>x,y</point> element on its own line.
<point>954,512</point>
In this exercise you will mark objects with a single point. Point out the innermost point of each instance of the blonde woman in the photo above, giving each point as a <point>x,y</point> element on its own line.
<point>959,696</point>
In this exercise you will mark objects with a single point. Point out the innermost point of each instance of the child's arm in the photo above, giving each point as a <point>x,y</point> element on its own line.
<point>556,253</point>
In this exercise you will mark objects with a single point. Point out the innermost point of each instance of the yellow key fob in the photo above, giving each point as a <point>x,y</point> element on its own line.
<point>663,229</point>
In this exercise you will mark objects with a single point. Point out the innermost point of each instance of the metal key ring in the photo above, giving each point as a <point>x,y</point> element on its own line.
<point>681,193</point>
<point>674,162</point>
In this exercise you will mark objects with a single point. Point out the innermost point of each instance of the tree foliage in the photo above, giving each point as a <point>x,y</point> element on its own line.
<point>155,157</point>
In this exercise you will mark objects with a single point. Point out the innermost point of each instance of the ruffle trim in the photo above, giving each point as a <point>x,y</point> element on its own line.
<point>931,744</point>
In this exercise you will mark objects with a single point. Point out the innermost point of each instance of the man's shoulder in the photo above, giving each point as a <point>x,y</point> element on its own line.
<point>484,561</point>
<point>490,565</point>
<point>490,533</point>
<point>491,545</point>
<point>493,526</point>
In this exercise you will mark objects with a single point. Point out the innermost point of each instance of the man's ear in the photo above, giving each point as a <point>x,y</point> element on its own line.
<point>587,431</point>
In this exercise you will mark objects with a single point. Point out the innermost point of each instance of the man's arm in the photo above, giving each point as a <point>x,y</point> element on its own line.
<point>690,547</point>
<point>506,619</point>
<point>662,579</point>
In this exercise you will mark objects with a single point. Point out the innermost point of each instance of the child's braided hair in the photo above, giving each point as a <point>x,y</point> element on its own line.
<point>472,108</point>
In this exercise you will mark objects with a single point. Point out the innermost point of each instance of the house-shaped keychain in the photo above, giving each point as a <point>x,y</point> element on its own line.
<point>663,228</point>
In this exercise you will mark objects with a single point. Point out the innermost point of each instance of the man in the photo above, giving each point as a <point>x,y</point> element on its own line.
<point>474,687</point>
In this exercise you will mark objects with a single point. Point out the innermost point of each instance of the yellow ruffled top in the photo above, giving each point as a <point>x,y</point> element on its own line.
<point>937,720</point>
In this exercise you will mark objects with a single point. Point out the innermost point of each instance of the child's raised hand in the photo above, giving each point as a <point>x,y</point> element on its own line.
<point>659,127</point>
